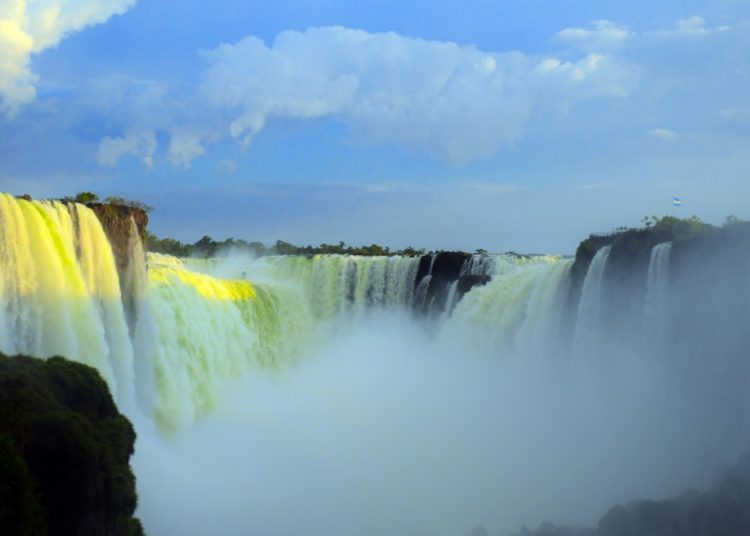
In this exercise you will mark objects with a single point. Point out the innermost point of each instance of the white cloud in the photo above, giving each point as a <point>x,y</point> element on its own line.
<point>225,168</point>
<point>605,35</point>
<point>663,134</point>
<point>456,103</point>
<point>692,25</point>
<point>184,146</point>
<point>29,26</point>
<point>451,101</point>
<point>139,144</point>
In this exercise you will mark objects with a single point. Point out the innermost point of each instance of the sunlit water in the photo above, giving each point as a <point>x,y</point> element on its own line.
<point>289,395</point>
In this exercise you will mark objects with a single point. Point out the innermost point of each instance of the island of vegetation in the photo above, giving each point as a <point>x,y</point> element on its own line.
<point>64,452</point>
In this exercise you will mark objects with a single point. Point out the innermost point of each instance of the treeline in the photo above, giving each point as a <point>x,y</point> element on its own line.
<point>90,198</point>
<point>685,227</point>
<point>208,247</point>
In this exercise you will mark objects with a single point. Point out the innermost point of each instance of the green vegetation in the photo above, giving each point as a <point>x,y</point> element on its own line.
<point>732,220</point>
<point>208,247</point>
<point>132,203</point>
<point>64,452</point>
<point>90,198</point>
<point>678,227</point>
<point>85,198</point>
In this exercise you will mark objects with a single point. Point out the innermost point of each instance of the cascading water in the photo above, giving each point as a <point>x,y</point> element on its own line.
<point>59,290</point>
<point>193,332</point>
<point>655,303</point>
<point>588,319</point>
<point>467,421</point>
<point>420,294</point>
<point>339,284</point>
<point>517,308</point>
<point>480,265</point>
<point>211,331</point>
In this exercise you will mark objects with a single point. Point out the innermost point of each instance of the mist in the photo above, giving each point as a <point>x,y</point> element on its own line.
<point>370,395</point>
<point>399,425</point>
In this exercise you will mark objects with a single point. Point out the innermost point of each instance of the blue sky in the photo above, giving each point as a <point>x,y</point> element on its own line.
<point>515,125</point>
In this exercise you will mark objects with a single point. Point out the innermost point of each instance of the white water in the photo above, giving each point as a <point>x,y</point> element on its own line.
<point>588,320</point>
<point>59,290</point>
<point>514,313</point>
<point>657,284</point>
<point>299,396</point>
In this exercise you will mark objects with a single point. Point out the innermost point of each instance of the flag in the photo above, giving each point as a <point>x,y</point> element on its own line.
<point>676,202</point>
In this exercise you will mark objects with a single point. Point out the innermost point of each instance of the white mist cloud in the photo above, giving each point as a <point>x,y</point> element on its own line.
<point>30,26</point>
<point>391,429</point>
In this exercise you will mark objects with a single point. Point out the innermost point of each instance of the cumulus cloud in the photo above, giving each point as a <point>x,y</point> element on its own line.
<point>139,144</point>
<point>694,26</point>
<point>225,168</point>
<point>663,134</point>
<point>29,26</point>
<point>184,146</point>
<point>455,102</point>
<point>605,35</point>
<point>452,102</point>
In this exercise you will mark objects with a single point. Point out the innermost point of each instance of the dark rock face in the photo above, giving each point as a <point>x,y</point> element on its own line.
<point>468,282</point>
<point>424,268</point>
<point>631,251</point>
<point>64,452</point>
<point>446,269</point>
<point>625,275</point>
<point>448,264</point>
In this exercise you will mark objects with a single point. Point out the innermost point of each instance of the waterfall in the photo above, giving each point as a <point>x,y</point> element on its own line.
<point>479,264</point>
<point>60,291</point>
<point>654,309</point>
<point>347,284</point>
<point>450,303</point>
<point>589,306</point>
<point>195,325</point>
<point>212,331</point>
<point>510,311</point>
<point>171,334</point>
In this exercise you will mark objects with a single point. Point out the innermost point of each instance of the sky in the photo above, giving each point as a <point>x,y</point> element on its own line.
<point>517,125</point>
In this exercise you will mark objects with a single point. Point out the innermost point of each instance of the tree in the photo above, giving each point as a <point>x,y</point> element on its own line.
<point>132,203</point>
<point>678,227</point>
<point>284,248</point>
<point>732,220</point>
<point>206,246</point>
<point>86,198</point>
